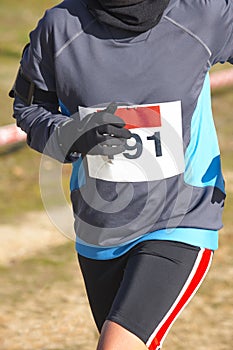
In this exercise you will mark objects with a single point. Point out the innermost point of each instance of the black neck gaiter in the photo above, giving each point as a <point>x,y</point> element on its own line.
<point>133,15</point>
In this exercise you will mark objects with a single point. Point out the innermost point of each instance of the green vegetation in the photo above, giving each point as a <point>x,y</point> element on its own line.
<point>18,18</point>
<point>46,270</point>
<point>19,179</point>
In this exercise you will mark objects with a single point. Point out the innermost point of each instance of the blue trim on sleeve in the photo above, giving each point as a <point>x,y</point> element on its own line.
<point>197,237</point>
<point>64,109</point>
<point>78,177</point>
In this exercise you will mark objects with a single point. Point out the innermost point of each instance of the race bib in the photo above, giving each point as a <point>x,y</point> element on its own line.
<point>155,150</point>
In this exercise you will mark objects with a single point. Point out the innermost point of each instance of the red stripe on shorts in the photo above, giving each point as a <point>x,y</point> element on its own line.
<point>196,276</point>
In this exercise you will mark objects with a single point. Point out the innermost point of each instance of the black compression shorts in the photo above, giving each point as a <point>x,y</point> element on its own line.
<point>145,290</point>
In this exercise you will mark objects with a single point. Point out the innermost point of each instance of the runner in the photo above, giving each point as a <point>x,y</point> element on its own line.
<point>121,89</point>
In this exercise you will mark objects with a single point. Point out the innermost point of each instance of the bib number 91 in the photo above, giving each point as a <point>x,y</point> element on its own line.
<point>138,146</point>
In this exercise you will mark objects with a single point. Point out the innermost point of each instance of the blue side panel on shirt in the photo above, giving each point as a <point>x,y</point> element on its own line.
<point>202,157</point>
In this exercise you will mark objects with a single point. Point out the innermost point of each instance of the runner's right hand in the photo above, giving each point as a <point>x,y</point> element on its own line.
<point>99,133</point>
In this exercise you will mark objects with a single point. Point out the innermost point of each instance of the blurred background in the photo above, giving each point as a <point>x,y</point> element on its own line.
<point>42,300</point>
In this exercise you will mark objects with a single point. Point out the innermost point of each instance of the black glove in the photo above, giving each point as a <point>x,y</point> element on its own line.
<point>99,133</point>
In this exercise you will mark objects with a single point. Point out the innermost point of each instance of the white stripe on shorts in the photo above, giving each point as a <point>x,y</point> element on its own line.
<point>193,282</point>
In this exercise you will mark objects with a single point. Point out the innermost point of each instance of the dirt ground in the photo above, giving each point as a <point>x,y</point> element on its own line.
<point>55,315</point>
<point>31,235</point>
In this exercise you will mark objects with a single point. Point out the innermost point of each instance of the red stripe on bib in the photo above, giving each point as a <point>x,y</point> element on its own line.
<point>140,117</point>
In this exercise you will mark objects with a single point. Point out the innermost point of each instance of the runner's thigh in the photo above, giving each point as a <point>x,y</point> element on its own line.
<point>160,277</point>
<point>102,280</point>
<point>145,289</point>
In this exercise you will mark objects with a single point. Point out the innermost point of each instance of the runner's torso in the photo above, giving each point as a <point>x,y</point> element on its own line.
<point>165,67</point>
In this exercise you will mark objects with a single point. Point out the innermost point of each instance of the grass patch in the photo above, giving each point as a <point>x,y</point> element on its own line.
<point>19,187</point>
<point>17,20</point>
<point>44,271</point>
<point>20,190</point>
